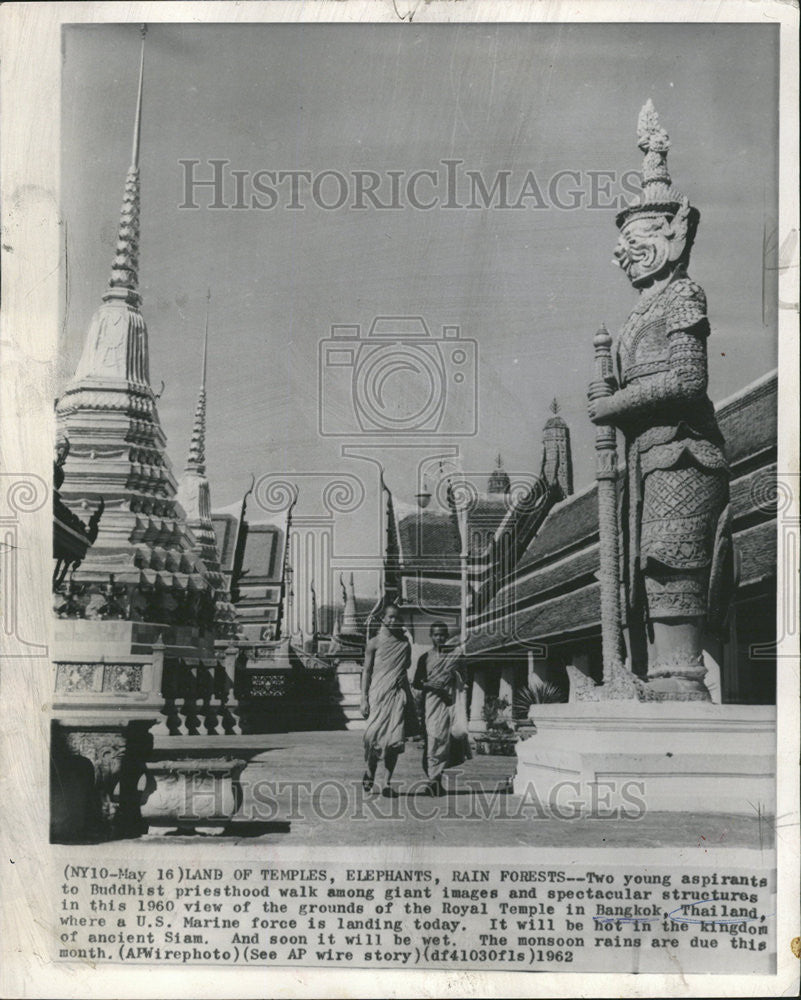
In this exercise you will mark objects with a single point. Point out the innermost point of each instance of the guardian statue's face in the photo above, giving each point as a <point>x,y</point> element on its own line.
<point>643,247</point>
<point>650,244</point>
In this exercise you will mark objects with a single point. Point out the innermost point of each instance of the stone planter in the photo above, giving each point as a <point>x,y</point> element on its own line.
<point>191,796</point>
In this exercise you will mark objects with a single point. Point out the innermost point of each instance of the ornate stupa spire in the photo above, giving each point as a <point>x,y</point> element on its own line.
<point>118,448</point>
<point>194,496</point>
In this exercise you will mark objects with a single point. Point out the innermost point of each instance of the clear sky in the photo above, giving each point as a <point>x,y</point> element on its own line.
<point>530,286</point>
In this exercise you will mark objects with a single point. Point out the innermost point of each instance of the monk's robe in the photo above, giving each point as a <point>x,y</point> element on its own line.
<point>388,694</point>
<point>446,745</point>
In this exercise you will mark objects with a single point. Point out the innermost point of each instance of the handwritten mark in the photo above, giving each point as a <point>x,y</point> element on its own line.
<point>713,920</point>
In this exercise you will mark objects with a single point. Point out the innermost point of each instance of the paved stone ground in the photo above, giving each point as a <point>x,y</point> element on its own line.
<point>305,789</point>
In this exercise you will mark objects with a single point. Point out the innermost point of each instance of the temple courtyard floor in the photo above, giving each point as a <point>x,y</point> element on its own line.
<point>304,789</point>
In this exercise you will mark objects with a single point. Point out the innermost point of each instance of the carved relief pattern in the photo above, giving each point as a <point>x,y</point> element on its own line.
<point>268,686</point>
<point>78,677</point>
<point>119,677</point>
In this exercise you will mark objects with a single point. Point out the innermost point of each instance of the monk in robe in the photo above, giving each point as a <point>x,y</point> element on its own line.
<point>439,677</point>
<point>385,696</point>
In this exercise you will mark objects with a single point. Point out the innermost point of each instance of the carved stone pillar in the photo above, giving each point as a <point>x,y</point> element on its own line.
<point>95,770</point>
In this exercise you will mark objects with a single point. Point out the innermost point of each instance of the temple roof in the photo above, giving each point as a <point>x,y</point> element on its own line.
<point>432,535</point>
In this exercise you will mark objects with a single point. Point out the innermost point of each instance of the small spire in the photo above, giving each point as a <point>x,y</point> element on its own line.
<point>555,407</point>
<point>196,460</point>
<point>499,481</point>
<point>124,280</point>
<point>350,622</point>
<point>424,496</point>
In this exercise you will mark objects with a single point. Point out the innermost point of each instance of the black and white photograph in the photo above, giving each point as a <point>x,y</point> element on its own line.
<point>400,560</point>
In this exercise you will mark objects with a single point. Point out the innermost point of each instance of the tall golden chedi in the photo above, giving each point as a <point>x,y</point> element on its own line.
<point>117,452</point>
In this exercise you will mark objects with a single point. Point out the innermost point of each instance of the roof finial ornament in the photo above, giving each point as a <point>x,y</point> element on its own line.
<point>555,407</point>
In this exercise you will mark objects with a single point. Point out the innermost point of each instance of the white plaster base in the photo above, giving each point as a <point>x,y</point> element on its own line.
<point>349,679</point>
<point>689,756</point>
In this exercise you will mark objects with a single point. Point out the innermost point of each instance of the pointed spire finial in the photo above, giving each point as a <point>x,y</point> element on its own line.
<point>205,341</point>
<point>555,407</point>
<point>138,117</point>
<point>196,460</point>
<point>124,280</point>
<point>499,481</point>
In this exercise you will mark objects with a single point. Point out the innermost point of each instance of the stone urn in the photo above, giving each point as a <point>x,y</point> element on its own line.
<point>191,795</point>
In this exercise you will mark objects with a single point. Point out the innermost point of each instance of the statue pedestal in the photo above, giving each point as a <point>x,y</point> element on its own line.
<point>673,756</point>
<point>349,679</point>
